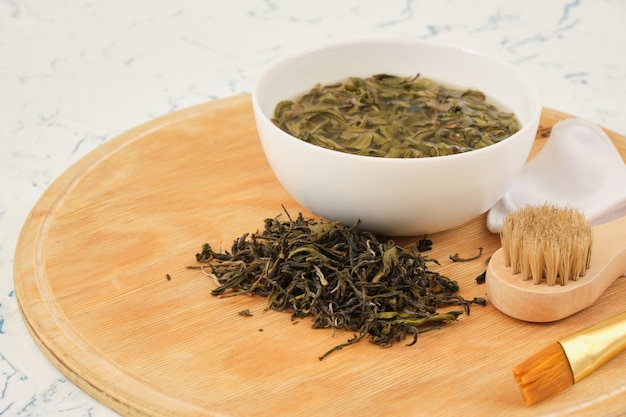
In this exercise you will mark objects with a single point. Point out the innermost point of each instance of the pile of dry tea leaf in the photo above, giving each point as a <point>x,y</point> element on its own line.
<point>342,277</point>
<point>395,117</point>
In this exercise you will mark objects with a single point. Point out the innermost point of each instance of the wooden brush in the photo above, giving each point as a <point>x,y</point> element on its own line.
<point>567,362</point>
<point>546,269</point>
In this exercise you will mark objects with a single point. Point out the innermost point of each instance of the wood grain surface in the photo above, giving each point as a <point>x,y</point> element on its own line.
<point>90,278</point>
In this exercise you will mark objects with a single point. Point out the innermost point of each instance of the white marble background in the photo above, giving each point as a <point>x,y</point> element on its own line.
<point>74,74</point>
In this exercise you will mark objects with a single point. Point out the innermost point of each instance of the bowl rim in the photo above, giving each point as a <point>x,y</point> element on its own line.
<point>530,86</point>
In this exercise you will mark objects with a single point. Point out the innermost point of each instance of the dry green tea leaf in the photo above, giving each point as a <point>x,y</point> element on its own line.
<point>341,277</point>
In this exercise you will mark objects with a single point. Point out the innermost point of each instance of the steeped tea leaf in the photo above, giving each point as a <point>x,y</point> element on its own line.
<point>395,117</point>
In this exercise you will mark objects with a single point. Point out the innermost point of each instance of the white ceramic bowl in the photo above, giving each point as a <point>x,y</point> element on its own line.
<point>396,197</point>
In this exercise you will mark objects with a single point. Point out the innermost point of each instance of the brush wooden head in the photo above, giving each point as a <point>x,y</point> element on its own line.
<point>517,296</point>
<point>544,374</point>
<point>547,244</point>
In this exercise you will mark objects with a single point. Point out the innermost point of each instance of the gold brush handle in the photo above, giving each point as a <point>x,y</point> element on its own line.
<point>590,348</point>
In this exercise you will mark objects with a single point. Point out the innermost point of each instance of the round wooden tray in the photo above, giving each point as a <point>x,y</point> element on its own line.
<point>90,278</point>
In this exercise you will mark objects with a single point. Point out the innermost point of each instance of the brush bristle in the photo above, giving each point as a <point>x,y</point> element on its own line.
<point>547,244</point>
<point>544,374</point>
